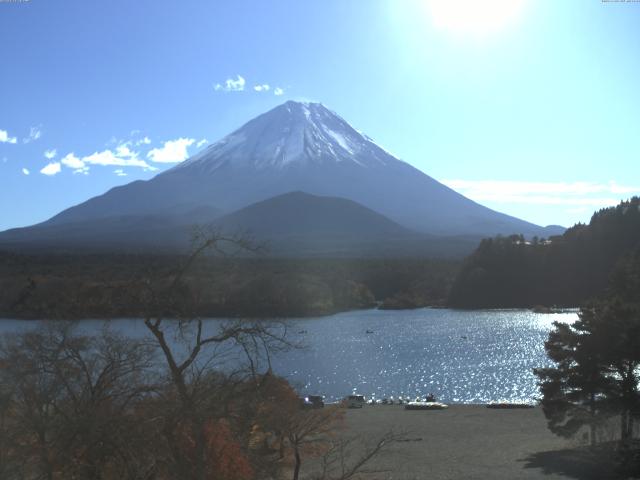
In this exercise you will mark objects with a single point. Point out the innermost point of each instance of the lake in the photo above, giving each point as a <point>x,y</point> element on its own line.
<point>460,356</point>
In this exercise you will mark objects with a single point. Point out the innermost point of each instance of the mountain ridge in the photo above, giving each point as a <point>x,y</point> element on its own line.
<point>294,224</point>
<point>301,147</point>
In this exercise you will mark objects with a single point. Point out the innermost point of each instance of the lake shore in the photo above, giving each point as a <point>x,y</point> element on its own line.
<point>461,356</point>
<point>474,442</point>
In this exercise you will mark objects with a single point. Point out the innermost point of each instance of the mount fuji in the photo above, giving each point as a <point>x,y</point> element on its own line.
<point>295,147</point>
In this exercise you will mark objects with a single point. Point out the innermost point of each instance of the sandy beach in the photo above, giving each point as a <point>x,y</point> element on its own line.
<point>474,442</point>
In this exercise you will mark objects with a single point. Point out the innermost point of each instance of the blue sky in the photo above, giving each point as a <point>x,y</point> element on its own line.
<point>529,107</point>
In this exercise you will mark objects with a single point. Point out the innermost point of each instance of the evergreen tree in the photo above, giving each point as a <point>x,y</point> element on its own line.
<point>597,360</point>
<point>565,270</point>
<point>575,392</point>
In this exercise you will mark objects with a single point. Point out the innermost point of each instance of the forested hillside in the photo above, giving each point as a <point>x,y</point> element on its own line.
<point>110,286</point>
<point>566,270</point>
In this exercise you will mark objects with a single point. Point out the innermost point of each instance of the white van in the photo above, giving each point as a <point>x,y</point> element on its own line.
<point>355,401</point>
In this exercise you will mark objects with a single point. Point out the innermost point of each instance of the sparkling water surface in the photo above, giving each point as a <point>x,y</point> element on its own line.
<point>473,356</point>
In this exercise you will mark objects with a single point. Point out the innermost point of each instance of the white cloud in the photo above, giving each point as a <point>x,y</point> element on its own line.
<point>173,151</point>
<point>50,154</point>
<point>51,169</point>
<point>201,142</point>
<point>238,85</point>
<point>71,161</point>
<point>5,138</point>
<point>119,172</point>
<point>231,85</point>
<point>26,171</point>
<point>34,134</point>
<point>123,157</point>
<point>577,194</point>
<point>143,141</point>
<point>125,152</point>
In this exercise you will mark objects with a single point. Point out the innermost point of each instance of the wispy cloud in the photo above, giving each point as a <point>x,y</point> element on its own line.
<point>26,171</point>
<point>201,142</point>
<point>134,140</point>
<point>173,151</point>
<point>50,154</point>
<point>5,138</point>
<point>34,134</point>
<point>119,172</point>
<point>51,169</point>
<point>238,85</point>
<point>576,194</point>
<point>231,85</point>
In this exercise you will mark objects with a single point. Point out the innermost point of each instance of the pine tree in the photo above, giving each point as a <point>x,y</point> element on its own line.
<point>574,392</point>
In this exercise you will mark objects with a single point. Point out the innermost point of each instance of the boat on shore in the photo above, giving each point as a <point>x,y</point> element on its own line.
<point>425,406</point>
<point>509,405</point>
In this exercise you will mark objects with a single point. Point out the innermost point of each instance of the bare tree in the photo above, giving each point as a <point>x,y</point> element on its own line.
<point>308,430</point>
<point>192,349</point>
<point>71,405</point>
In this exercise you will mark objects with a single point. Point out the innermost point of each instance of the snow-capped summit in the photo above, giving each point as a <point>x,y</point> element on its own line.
<point>301,147</point>
<point>294,132</point>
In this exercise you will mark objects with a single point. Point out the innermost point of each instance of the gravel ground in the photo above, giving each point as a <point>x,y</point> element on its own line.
<point>473,442</point>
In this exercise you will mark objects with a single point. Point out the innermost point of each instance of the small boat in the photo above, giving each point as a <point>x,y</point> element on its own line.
<point>425,406</point>
<point>369,331</point>
<point>508,405</point>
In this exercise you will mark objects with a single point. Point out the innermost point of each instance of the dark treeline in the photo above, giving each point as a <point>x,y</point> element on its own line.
<point>566,270</point>
<point>109,286</point>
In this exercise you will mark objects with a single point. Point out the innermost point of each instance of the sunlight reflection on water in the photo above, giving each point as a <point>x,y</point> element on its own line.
<point>461,356</point>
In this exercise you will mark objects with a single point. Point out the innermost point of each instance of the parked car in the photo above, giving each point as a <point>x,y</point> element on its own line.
<point>313,401</point>
<point>355,401</point>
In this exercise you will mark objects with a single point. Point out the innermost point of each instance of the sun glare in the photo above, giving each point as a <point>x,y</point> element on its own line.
<point>477,17</point>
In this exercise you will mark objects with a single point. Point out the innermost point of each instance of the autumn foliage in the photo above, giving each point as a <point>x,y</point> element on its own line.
<point>225,458</point>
